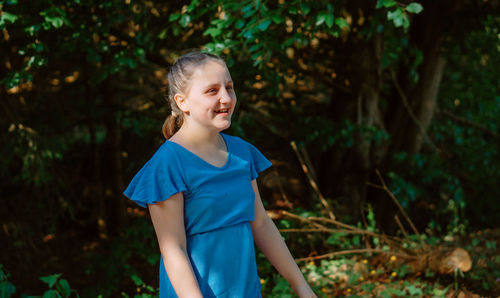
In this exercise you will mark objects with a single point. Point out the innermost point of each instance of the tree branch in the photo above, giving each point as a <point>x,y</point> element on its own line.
<point>467,122</point>
<point>307,168</point>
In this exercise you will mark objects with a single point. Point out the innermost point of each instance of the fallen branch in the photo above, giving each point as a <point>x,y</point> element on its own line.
<point>354,251</point>
<point>351,232</point>
<point>349,229</point>
<point>439,260</point>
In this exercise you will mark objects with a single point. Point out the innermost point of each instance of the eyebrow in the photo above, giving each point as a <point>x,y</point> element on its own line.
<point>216,84</point>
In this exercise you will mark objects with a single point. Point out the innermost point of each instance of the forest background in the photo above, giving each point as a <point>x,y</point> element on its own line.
<point>369,110</point>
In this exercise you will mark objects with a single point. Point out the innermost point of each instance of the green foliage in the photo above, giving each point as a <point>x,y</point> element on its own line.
<point>134,246</point>
<point>75,74</point>
<point>143,290</point>
<point>323,133</point>
<point>399,15</point>
<point>486,262</point>
<point>468,91</point>
<point>58,287</point>
<point>7,289</point>
<point>431,181</point>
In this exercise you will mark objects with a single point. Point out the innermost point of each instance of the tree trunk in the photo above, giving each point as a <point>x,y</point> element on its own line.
<point>368,74</point>
<point>427,35</point>
<point>350,168</point>
<point>412,107</point>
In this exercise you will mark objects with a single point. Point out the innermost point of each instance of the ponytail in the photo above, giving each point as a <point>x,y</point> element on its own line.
<point>171,125</point>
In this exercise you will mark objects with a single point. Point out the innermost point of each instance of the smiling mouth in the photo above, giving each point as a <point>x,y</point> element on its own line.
<point>222,111</point>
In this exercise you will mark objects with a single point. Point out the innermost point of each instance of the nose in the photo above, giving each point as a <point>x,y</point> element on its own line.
<point>225,97</point>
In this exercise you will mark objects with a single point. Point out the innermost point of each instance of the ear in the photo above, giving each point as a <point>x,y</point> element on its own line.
<point>180,100</point>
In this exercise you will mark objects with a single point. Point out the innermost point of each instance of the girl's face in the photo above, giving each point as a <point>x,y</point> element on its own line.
<point>210,98</point>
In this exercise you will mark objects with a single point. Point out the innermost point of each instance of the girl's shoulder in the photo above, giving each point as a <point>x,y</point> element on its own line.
<point>235,140</point>
<point>237,144</point>
<point>166,153</point>
<point>246,151</point>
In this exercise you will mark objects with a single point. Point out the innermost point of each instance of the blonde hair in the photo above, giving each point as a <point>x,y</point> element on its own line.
<point>178,82</point>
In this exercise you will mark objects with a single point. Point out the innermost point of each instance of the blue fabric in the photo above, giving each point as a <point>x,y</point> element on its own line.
<point>218,208</point>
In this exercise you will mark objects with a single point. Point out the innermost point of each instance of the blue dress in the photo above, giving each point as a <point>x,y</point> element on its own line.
<point>218,208</point>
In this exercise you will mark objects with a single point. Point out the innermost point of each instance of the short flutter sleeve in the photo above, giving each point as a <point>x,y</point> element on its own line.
<point>258,161</point>
<point>159,179</point>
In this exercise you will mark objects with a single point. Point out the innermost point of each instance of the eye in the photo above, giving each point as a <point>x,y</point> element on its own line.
<point>212,90</point>
<point>230,87</point>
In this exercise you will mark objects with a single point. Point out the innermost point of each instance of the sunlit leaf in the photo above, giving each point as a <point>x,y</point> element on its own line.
<point>7,17</point>
<point>50,279</point>
<point>414,7</point>
<point>185,20</point>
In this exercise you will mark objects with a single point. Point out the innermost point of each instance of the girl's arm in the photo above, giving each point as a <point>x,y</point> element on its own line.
<point>269,241</point>
<point>168,221</point>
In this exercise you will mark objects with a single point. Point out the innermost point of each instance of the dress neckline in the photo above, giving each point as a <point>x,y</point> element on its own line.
<point>228,150</point>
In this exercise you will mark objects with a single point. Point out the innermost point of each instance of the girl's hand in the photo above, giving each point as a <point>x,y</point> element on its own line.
<point>305,291</point>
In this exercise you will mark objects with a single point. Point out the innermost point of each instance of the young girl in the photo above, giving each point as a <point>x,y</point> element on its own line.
<point>202,195</point>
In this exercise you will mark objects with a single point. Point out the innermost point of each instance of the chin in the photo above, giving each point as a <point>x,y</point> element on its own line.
<point>225,126</point>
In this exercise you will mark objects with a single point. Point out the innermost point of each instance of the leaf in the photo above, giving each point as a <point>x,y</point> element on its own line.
<point>329,20</point>
<point>63,287</point>
<point>305,8</point>
<point>341,23</point>
<point>7,289</point>
<point>248,34</point>
<point>54,16</point>
<point>239,24</point>
<point>385,3</point>
<point>50,279</point>
<point>335,238</point>
<point>176,30</point>
<point>398,17</point>
<point>256,55</point>
<point>7,17</point>
<point>320,19</point>
<point>140,53</point>
<point>406,21</point>
<point>163,34</point>
<point>263,25</point>
<point>247,10</point>
<point>212,32</point>
<point>192,5</point>
<point>414,291</point>
<point>185,20</point>
<point>174,17</point>
<point>136,279</point>
<point>255,47</point>
<point>278,18</point>
<point>51,294</point>
<point>414,8</point>
<point>56,22</point>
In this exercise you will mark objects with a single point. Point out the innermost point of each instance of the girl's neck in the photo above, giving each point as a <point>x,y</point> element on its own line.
<point>197,138</point>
